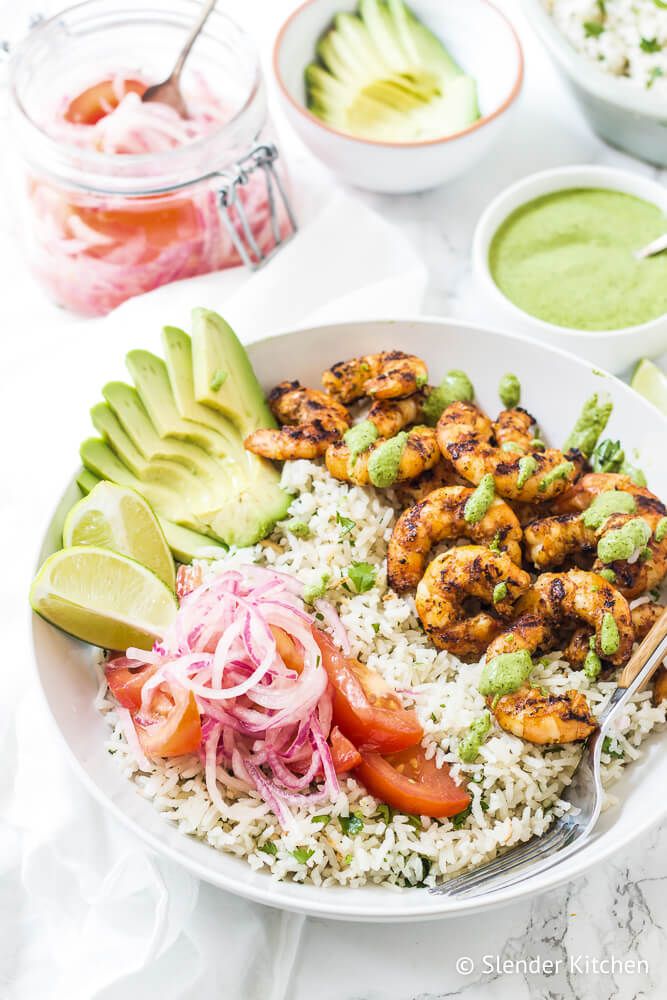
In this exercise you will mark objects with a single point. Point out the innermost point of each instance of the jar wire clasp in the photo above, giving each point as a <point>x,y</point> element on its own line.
<point>249,244</point>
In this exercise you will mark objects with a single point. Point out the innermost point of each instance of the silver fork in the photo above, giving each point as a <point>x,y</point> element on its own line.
<point>585,793</point>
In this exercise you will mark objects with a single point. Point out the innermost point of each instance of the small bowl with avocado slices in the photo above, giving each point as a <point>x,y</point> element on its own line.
<point>398,98</point>
<point>554,256</point>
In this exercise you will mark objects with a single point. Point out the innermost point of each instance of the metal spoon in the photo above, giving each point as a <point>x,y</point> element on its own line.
<point>169,92</point>
<point>651,249</point>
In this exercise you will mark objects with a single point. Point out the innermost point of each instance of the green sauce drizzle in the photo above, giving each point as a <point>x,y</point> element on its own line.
<point>505,673</point>
<point>509,391</point>
<point>383,465</point>
<point>359,438</point>
<point>527,468</point>
<point>589,426</point>
<point>499,592</point>
<point>455,387</point>
<point>479,502</point>
<point>469,745</point>
<point>621,543</point>
<point>561,471</point>
<point>606,504</point>
<point>661,529</point>
<point>610,640</point>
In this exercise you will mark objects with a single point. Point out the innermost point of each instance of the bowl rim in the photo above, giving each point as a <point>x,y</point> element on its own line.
<point>605,86</point>
<point>309,116</point>
<point>571,868</point>
<point>485,231</point>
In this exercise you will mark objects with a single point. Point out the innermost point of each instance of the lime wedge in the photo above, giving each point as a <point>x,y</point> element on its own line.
<point>103,597</point>
<point>118,518</point>
<point>651,383</point>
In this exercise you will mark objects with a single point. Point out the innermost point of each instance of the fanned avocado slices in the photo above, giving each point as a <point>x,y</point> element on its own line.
<point>176,437</point>
<point>382,75</point>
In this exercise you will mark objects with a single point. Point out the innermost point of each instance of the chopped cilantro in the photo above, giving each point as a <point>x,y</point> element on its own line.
<point>323,818</point>
<point>650,45</point>
<point>302,854</point>
<point>362,575</point>
<point>376,627</point>
<point>415,822</point>
<point>385,812</point>
<point>346,523</point>
<point>609,750</point>
<point>654,73</point>
<point>347,860</point>
<point>269,847</point>
<point>459,819</point>
<point>352,824</point>
<point>593,29</point>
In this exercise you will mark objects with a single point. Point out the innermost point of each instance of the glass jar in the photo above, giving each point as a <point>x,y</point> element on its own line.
<point>99,227</point>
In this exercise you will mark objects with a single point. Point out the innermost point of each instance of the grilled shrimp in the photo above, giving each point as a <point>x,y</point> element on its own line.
<point>441,516</point>
<point>643,617</point>
<point>314,420</point>
<point>634,578</point>
<point>515,427</point>
<point>529,631</point>
<point>587,597</point>
<point>454,576</point>
<point>390,416</point>
<point>387,375</point>
<point>544,718</point>
<point>580,496</point>
<point>419,453</point>
<point>415,490</point>
<point>465,436</point>
<point>551,541</point>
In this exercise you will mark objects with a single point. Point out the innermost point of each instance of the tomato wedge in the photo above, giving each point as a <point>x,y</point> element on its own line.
<point>344,755</point>
<point>173,727</point>
<point>365,708</point>
<point>126,679</point>
<point>97,101</point>
<point>408,782</point>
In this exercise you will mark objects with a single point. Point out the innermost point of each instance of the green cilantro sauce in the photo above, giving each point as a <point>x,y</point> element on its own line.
<point>479,502</point>
<point>622,543</point>
<point>590,423</point>
<point>661,529</point>
<point>610,640</point>
<point>560,471</point>
<point>527,468</point>
<point>359,438</point>
<point>606,504</point>
<point>505,673</point>
<point>509,391</point>
<point>469,745</point>
<point>455,386</point>
<point>384,463</point>
<point>312,592</point>
<point>567,258</point>
<point>592,665</point>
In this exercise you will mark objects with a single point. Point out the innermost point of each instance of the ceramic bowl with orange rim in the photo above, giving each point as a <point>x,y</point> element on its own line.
<point>477,35</point>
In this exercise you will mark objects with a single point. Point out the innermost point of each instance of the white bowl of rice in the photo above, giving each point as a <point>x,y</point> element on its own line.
<point>382,872</point>
<point>613,53</point>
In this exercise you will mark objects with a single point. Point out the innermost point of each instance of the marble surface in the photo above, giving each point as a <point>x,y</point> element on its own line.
<point>618,912</point>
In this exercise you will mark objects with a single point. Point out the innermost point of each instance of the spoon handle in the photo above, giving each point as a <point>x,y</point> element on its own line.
<point>657,246</point>
<point>192,37</point>
<point>643,652</point>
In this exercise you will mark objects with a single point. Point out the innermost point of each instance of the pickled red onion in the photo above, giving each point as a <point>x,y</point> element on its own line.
<point>262,721</point>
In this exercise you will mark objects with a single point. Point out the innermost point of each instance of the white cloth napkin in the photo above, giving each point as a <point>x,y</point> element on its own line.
<point>102,916</point>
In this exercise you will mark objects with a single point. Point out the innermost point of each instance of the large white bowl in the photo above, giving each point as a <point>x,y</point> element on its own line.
<point>479,37</point>
<point>554,385</point>
<point>621,112</point>
<point>612,349</point>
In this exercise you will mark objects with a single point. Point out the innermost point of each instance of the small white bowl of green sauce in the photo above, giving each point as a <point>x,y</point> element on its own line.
<point>554,255</point>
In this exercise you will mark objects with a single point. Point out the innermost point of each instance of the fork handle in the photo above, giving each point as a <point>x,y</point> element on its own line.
<point>643,652</point>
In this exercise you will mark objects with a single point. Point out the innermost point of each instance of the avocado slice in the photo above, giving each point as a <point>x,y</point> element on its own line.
<point>223,376</point>
<point>132,414</point>
<point>152,381</point>
<point>185,544</point>
<point>381,74</point>
<point>99,458</point>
